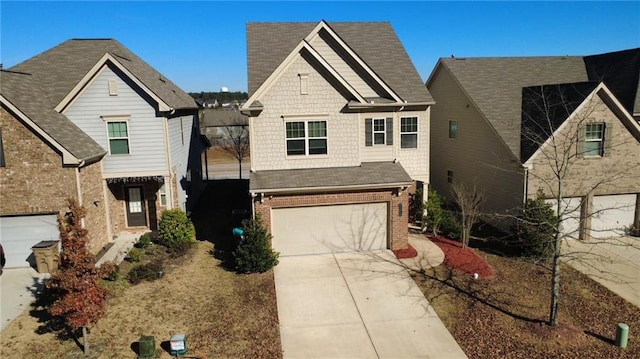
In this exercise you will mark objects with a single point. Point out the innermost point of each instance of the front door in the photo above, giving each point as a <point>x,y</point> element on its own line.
<point>136,214</point>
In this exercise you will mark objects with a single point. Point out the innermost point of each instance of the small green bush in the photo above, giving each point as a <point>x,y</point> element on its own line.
<point>144,241</point>
<point>434,215</point>
<point>176,232</point>
<point>451,226</point>
<point>135,254</point>
<point>416,206</point>
<point>148,271</point>
<point>254,254</point>
<point>536,228</point>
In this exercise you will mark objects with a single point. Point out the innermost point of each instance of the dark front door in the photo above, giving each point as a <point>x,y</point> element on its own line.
<point>136,213</point>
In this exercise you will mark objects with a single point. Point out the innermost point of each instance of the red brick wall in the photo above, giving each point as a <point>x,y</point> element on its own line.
<point>398,224</point>
<point>33,180</point>
<point>91,184</point>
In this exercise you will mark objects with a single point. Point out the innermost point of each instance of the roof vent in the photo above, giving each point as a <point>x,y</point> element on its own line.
<point>113,87</point>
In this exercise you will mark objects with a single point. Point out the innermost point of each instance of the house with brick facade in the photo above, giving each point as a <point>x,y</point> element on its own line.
<point>339,134</point>
<point>566,126</point>
<point>90,120</point>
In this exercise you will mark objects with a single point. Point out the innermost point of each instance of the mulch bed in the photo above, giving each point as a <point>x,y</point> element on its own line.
<point>408,252</point>
<point>463,259</point>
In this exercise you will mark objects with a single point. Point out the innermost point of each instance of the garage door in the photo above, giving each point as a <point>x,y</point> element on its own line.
<point>327,229</point>
<point>19,234</point>
<point>570,210</point>
<point>612,214</point>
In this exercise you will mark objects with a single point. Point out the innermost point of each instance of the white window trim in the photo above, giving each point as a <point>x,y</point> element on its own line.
<point>417,133</point>
<point>374,132</point>
<point>306,120</point>
<point>600,140</point>
<point>117,118</point>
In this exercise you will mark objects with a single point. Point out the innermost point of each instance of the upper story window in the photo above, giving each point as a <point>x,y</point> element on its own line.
<point>306,138</point>
<point>409,132</point>
<point>594,139</point>
<point>378,131</point>
<point>118,132</point>
<point>453,129</point>
<point>449,176</point>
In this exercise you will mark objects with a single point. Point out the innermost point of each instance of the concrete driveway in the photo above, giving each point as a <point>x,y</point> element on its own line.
<point>356,305</point>
<point>18,287</point>
<point>614,263</point>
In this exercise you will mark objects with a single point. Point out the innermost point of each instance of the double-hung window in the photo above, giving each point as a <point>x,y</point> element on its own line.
<point>453,129</point>
<point>162,192</point>
<point>594,139</point>
<point>118,132</point>
<point>409,132</point>
<point>306,138</point>
<point>378,131</point>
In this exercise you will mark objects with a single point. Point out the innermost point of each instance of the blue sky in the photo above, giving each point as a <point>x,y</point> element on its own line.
<point>201,45</point>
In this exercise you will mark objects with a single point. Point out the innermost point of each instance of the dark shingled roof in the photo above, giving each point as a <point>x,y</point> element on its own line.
<point>37,85</point>
<point>620,71</point>
<point>23,91</point>
<point>376,43</point>
<point>62,67</point>
<point>222,118</point>
<point>545,108</point>
<point>369,174</point>
<point>495,85</point>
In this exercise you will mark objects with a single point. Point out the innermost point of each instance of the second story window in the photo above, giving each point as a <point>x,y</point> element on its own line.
<point>378,131</point>
<point>118,132</point>
<point>594,139</point>
<point>453,129</point>
<point>409,132</point>
<point>306,138</point>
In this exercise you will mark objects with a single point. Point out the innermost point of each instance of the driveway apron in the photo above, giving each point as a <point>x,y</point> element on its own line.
<point>356,305</point>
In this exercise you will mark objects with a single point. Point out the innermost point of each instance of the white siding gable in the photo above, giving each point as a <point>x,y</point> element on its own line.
<point>179,143</point>
<point>146,134</point>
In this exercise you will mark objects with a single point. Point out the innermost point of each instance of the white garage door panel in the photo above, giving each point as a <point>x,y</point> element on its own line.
<point>612,214</point>
<point>570,211</point>
<point>19,234</point>
<point>327,229</point>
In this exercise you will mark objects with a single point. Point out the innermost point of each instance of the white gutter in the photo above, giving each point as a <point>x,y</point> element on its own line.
<point>327,188</point>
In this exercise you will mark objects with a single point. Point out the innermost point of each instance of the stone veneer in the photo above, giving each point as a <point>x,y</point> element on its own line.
<point>398,225</point>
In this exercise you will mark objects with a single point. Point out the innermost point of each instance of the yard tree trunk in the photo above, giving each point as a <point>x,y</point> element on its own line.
<point>85,340</point>
<point>236,142</point>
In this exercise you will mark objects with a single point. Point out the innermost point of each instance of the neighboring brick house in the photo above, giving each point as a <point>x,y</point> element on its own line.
<point>502,122</point>
<point>339,134</point>
<point>90,120</point>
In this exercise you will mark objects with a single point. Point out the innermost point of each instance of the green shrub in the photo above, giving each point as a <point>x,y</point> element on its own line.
<point>144,241</point>
<point>451,226</point>
<point>254,254</point>
<point>434,213</point>
<point>148,271</point>
<point>536,228</point>
<point>135,254</point>
<point>176,231</point>
<point>416,206</point>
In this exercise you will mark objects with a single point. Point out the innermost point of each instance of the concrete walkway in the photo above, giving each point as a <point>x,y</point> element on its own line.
<point>429,254</point>
<point>614,263</point>
<point>356,305</point>
<point>19,286</point>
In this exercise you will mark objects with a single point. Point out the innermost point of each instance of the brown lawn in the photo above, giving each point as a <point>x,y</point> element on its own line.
<point>217,155</point>
<point>504,317</point>
<point>223,314</point>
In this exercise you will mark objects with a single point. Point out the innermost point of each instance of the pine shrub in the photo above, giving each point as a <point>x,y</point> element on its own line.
<point>146,272</point>
<point>176,231</point>
<point>536,228</point>
<point>254,254</point>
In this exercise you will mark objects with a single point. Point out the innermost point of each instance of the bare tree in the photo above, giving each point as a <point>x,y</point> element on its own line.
<point>565,129</point>
<point>469,200</point>
<point>236,142</point>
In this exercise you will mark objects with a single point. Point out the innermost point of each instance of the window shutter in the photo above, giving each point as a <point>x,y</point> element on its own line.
<point>389,128</point>
<point>606,146</point>
<point>582,132</point>
<point>368,132</point>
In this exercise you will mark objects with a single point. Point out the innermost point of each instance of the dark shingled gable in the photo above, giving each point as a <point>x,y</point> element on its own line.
<point>545,108</point>
<point>372,174</point>
<point>376,43</point>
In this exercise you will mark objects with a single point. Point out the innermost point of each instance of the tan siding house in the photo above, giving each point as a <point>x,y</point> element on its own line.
<point>339,138</point>
<point>510,125</point>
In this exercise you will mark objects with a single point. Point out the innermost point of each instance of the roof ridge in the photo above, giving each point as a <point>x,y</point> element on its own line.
<point>16,72</point>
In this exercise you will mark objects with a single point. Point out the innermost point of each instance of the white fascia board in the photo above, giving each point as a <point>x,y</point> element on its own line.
<point>601,88</point>
<point>284,65</point>
<point>330,188</point>
<point>67,157</point>
<point>323,25</point>
<point>91,74</point>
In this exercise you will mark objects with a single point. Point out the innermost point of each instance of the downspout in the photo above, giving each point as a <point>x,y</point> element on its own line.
<point>79,190</point>
<point>167,147</point>
<point>526,184</point>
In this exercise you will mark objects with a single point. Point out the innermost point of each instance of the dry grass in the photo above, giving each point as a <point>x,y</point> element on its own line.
<point>217,155</point>
<point>223,314</point>
<point>504,317</point>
